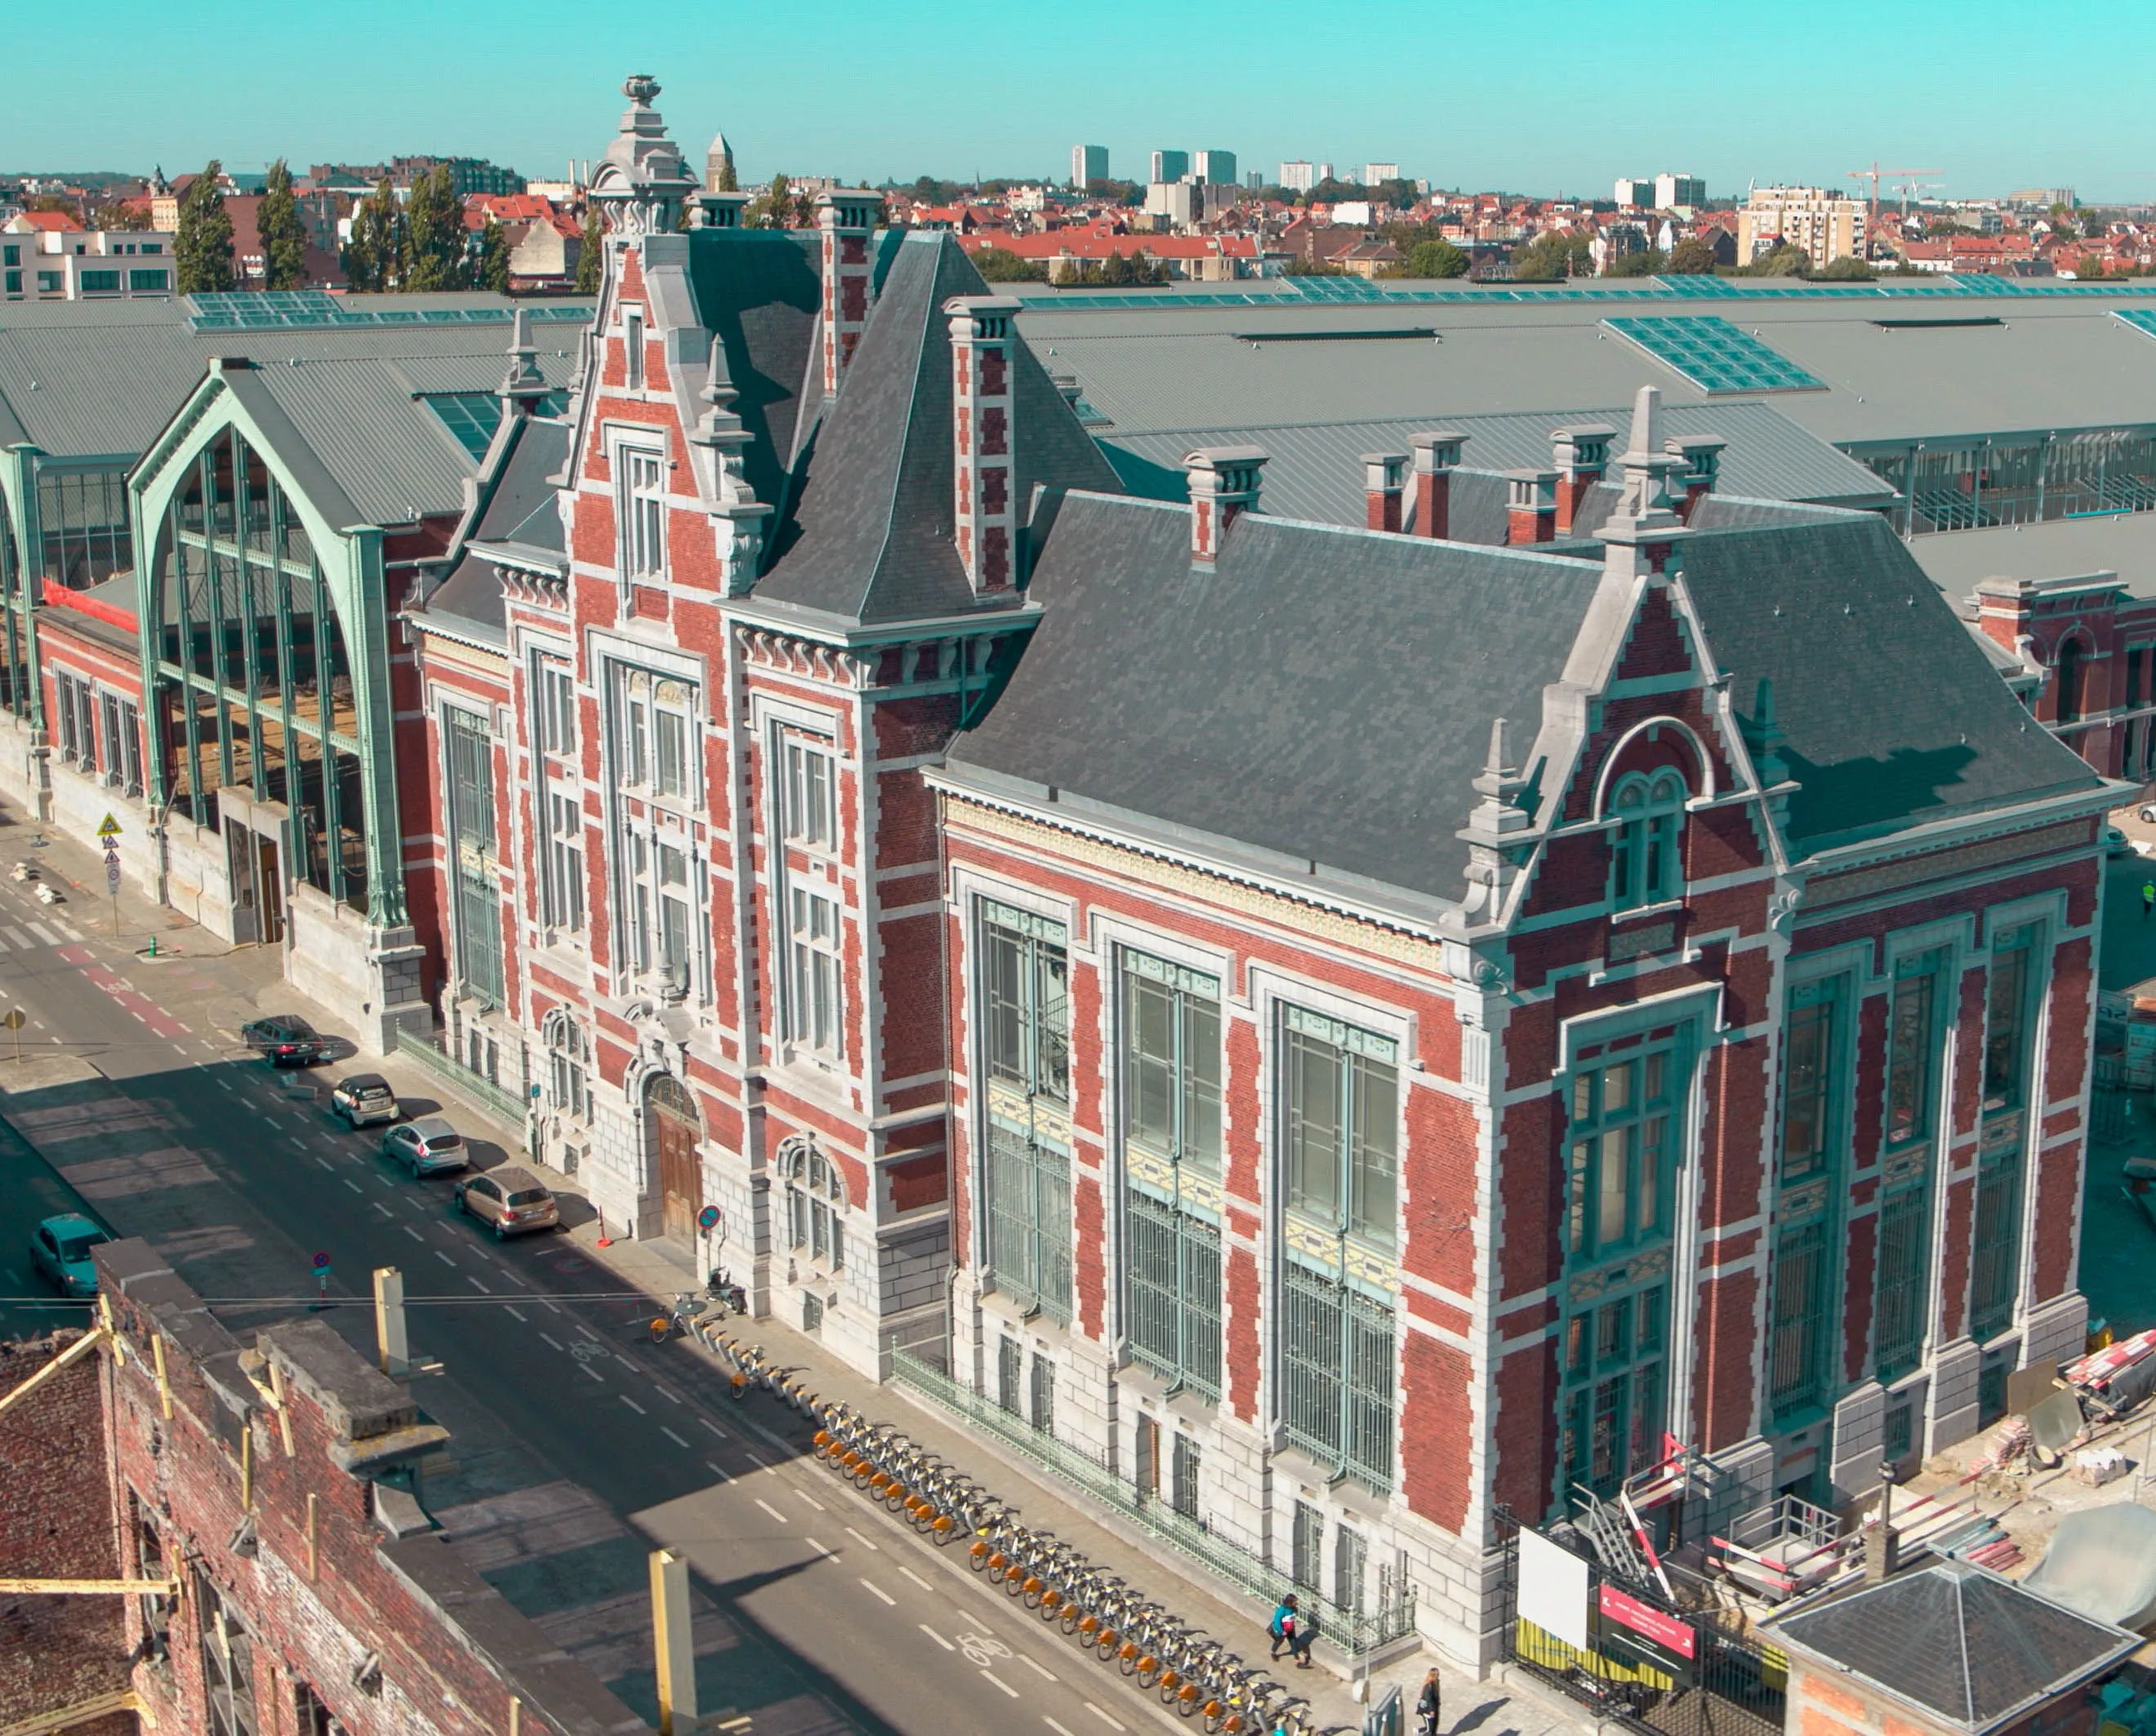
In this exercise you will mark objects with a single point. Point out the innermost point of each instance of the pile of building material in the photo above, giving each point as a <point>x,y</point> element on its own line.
<point>1974,1538</point>
<point>2112,1380</point>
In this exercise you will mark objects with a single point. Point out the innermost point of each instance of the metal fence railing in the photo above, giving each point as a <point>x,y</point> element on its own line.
<point>466,1084</point>
<point>1354,1634</point>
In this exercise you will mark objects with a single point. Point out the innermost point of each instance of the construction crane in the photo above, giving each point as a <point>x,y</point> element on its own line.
<point>1874,174</point>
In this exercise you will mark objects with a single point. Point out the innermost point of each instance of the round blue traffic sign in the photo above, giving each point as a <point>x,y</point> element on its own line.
<point>708,1218</point>
<point>321,1262</point>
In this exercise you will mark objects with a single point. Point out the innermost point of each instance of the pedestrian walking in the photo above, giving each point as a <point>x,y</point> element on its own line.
<point>1282,1628</point>
<point>2148,898</point>
<point>1426,1707</point>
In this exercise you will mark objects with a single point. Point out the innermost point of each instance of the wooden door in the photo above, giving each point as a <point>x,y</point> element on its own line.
<point>676,1132</point>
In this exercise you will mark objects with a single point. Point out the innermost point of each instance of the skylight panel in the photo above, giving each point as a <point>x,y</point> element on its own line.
<point>1714,355</point>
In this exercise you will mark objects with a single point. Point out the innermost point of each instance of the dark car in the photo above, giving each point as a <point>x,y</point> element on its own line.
<point>364,1099</point>
<point>286,1039</point>
<point>510,1200</point>
<point>59,1249</point>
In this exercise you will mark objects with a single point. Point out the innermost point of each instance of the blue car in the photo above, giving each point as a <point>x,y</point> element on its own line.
<point>60,1248</point>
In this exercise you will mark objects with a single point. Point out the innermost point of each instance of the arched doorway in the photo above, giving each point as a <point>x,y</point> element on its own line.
<point>673,1130</point>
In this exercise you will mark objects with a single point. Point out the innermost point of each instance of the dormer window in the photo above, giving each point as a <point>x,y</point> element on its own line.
<point>1647,859</point>
<point>640,501</point>
<point>632,344</point>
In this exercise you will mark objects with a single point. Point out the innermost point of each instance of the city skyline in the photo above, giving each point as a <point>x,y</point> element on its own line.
<point>1749,107</point>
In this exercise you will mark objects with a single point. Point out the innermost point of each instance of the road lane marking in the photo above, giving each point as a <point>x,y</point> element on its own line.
<point>881,1593</point>
<point>780,1441</point>
<point>1053,1725</point>
<point>664,1393</point>
<point>828,1554</point>
<point>17,936</point>
<point>325,1163</point>
<point>812,1500</point>
<point>510,1308</point>
<point>1001,1683</point>
<point>352,1184</point>
<point>556,1343</point>
<point>44,933</point>
<point>679,1441</point>
<point>413,1234</point>
<point>384,1210</point>
<point>859,1539</point>
<point>761,1462</point>
<point>937,1637</point>
<point>476,1284</point>
<point>1111,1722</point>
<point>715,1428</point>
<point>1039,1668</point>
<point>592,1371</point>
<point>916,1578</point>
<point>444,1258</point>
<point>772,1511</point>
<point>633,1405</point>
<point>715,1469</point>
<point>555,1306</point>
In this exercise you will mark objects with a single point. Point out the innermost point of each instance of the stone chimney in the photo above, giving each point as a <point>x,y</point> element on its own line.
<point>1640,533</point>
<point>1581,454</point>
<point>1224,485</point>
<point>847,216</point>
<point>983,514</point>
<point>720,210</point>
<point>1384,478</point>
<point>1436,457</point>
<point>1702,456</point>
<point>1530,506</point>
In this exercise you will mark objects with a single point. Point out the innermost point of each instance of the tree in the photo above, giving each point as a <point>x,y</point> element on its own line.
<point>284,234</point>
<point>434,251</point>
<point>998,265</point>
<point>729,181</point>
<point>374,255</point>
<point>1692,257</point>
<point>1437,258</point>
<point>1847,269</point>
<point>591,254</point>
<point>1786,260</point>
<point>1649,263</point>
<point>119,214</point>
<point>1308,264</point>
<point>1552,255</point>
<point>771,208</point>
<point>202,250</point>
<point>490,271</point>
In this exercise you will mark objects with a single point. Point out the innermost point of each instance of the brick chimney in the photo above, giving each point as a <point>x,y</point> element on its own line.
<point>983,515</point>
<point>846,216</point>
<point>1530,506</point>
<point>1224,485</point>
<point>1582,455</point>
<point>1385,478</point>
<point>1436,457</point>
<point>1703,468</point>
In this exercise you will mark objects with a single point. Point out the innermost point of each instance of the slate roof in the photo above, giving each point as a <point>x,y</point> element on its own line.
<point>759,291</point>
<point>869,539</point>
<point>519,524</point>
<point>1315,469</point>
<point>1323,695</point>
<point>1972,1649</point>
<point>1833,609</point>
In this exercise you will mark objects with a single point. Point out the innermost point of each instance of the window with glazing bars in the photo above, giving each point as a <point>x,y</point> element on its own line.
<point>1901,1262</point>
<point>1306,1548</point>
<point>1646,850</point>
<point>1623,1129</point>
<point>1797,1336</point>
<point>813,1009</point>
<point>1350,1554</point>
<point>2006,1022</point>
<point>1172,1132</point>
<point>1911,1051</point>
<point>1025,1055</point>
<point>1995,1240</point>
<point>1898,1316</point>
<point>816,1209</point>
<point>1337,1355</point>
<point>563,881</point>
<point>1010,1370</point>
<point>810,807</point>
<point>641,501</point>
<point>1612,1360</point>
<point>555,685</point>
<point>1040,1394</point>
<point>227,1663</point>
<point>1183,1481</point>
<point>1808,1088</point>
<point>1342,1102</point>
<point>1995,1246</point>
<point>469,746</point>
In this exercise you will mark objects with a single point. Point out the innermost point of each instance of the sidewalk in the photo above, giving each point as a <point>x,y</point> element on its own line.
<point>217,988</point>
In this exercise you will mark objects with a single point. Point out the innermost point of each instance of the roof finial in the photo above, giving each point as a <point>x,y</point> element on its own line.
<point>1647,421</point>
<point>523,381</point>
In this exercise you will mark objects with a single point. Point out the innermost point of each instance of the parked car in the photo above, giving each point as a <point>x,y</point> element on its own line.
<point>286,1039</point>
<point>512,1201</point>
<point>59,1249</point>
<point>2115,843</point>
<point>427,1146</point>
<point>364,1099</point>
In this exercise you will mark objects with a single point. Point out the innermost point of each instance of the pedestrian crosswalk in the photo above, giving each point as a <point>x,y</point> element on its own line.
<point>13,938</point>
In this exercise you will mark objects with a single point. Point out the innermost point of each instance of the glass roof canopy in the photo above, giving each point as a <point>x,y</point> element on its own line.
<point>473,416</point>
<point>1714,355</point>
<point>305,310</point>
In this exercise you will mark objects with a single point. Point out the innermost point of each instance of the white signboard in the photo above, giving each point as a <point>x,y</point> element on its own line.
<point>1553,1590</point>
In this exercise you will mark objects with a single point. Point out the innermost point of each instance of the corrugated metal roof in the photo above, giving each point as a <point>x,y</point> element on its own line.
<point>1316,471</point>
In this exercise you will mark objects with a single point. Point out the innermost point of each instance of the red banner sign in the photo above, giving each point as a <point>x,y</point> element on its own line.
<point>1666,1632</point>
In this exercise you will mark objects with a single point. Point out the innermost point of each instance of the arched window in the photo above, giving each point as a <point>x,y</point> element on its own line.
<point>1646,854</point>
<point>568,1057</point>
<point>815,1204</point>
<point>2070,681</point>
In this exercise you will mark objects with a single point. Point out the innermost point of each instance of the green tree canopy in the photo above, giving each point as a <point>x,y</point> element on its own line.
<point>433,255</point>
<point>490,271</point>
<point>1692,257</point>
<point>1437,258</point>
<point>1552,255</point>
<point>1308,264</point>
<point>373,256</point>
<point>1649,263</point>
<point>1846,268</point>
<point>118,215</point>
<point>1787,261</point>
<point>591,254</point>
<point>998,265</point>
<point>201,251</point>
<point>284,234</point>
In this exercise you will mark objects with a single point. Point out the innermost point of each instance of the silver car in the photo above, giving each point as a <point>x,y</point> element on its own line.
<point>509,1200</point>
<point>426,1146</point>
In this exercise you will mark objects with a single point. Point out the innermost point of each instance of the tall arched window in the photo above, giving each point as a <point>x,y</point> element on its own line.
<point>2070,681</point>
<point>1646,851</point>
<point>568,1057</point>
<point>815,1204</point>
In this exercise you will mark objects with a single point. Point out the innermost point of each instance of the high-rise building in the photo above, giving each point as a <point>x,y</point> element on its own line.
<point>1825,224</point>
<point>1170,165</point>
<point>1635,191</point>
<point>1325,171</point>
<point>1679,190</point>
<point>1215,168</point>
<point>1088,163</point>
<point>1297,177</point>
<point>1376,174</point>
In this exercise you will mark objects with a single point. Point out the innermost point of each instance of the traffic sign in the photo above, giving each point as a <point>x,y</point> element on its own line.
<point>112,878</point>
<point>108,827</point>
<point>321,1262</point>
<point>11,1019</point>
<point>707,1219</point>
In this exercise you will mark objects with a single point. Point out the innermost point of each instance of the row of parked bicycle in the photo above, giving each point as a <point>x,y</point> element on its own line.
<point>1196,1675</point>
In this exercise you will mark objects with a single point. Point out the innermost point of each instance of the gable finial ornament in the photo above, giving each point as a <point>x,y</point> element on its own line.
<point>640,186</point>
<point>1494,827</point>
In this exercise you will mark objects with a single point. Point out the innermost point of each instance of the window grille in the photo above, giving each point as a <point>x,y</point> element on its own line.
<point>1172,1292</point>
<point>1025,1026</point>
<point>1040,1394</point>
<point>1995,1247</point>
<point>1645,865</point>
<point>1797,1338</point>
<point>1901,1431</point>
<point>1010,1363</point>
<point>1612,1359</point>
<point>1337,1358</point>
<point>1350,1554</point>
<point>1183,1490</point>
<point>1307,1547</point>
<point>1898,1308</point>
<point>468,746</point>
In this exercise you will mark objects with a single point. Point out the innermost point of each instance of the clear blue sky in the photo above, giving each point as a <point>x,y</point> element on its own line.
<point>1536,94</point>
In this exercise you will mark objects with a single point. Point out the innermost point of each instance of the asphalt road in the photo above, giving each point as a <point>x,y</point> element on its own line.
<point>578,1445</point>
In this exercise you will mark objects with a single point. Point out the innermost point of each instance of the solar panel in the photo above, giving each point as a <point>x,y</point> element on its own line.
<point>1714,355</point>
<point>303,309</point>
